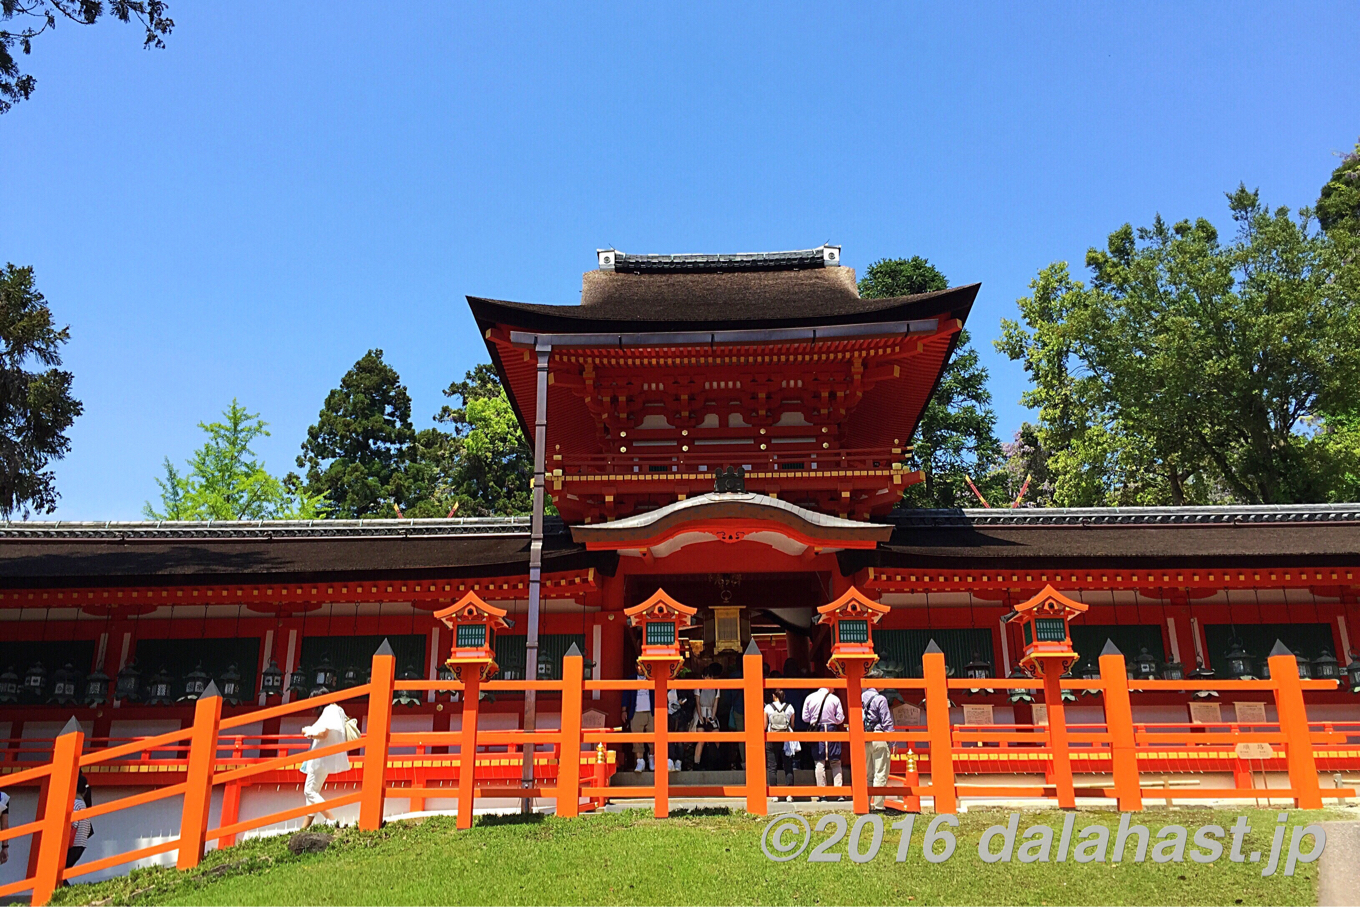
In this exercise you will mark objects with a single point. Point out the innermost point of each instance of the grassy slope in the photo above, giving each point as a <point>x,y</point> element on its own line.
<point>690,859</point>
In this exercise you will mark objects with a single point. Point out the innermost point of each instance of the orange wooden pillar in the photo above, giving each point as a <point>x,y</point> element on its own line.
<point>193,823</point>
<point>1119,724</point>
<point>569,758</point>
<point>661,779</point>
<point>753,689</point>
<point>938,731</point>
<point>377,738</point>
<point>1284,673</point>
<point>467,748</point>
<point>1058,747</point>
<point>854,719</point>
<point>56,814</point>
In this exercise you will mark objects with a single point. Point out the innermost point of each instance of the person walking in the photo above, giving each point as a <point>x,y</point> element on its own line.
<point>328,730</point>
<point>4,826</point>
<point>877,719</point>
<point>706,719</point>
<point>640,718</point>
<point>823,713</point>
<point>81,829</point>
<point>779,753</point>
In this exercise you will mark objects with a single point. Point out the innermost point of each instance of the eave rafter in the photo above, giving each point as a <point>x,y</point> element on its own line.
<point>271,598</point>
<point>1168,584</point>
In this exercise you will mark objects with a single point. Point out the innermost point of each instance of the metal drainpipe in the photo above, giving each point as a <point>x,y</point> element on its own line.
<point>535,566</point>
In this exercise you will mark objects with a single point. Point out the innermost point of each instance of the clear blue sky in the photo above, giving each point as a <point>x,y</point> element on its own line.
<point>288,184</point>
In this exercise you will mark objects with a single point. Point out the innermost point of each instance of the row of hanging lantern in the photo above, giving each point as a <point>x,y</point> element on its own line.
<point>68,687</point>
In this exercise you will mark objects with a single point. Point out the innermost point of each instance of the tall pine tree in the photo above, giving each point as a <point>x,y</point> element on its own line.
<point>358,452</point>
<point>956,437</point>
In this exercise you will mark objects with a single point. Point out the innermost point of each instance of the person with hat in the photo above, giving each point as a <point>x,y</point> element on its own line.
<point>877,719</point>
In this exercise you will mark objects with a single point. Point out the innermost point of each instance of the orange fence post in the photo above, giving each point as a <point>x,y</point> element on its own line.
<point>854,719</point>
<point>938,731</point>
<point>1284,673</point>
<point>56,818</point>
<point>377,738</point>
<point>661,778</point>
<point>569,757</point>
<point>1059,752</point>
<point>1119,723</point>
<point>231,811</point>
<point>753,688</point>
<point>193,823</point>
<point>467,746</point>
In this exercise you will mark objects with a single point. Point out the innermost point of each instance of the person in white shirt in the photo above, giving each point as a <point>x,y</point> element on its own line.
<point>81,829</point>
<point>641,720</point>
<point>328,730</point>
<point>4,825</point>
<point>823,713</point>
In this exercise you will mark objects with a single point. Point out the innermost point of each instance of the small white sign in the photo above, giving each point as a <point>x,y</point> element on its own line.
<point>1254,751</point>
<point>1250,712</point>
<point>1040,713</point>
<point>906,715</point>
<point>978,714</point>
<point>1205,713</point>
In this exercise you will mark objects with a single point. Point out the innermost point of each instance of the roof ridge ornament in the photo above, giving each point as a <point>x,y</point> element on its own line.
<point>823,256</point>
<point>730,481</point>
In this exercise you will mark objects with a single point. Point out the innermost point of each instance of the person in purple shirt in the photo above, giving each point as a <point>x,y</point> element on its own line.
<point>877,718</point>
<point>823,712</point>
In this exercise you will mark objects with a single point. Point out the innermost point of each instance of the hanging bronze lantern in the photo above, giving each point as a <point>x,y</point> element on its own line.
<point>159,691</point>
<point>1353,672</point>
<point>9,686</point>
<point>1326,667</point>
<point>129,684</point>
<point>1173,670</point>
<point>1145,665</point>
<point>35,682</point>
<point>1090,670</point>
<point>1205,673</point>
<point>195,682</point>
<point>297,682</point>
<point>324,678</point>
<point>271,679</point>
<point>407,697</point>
<point>351,678</point>
<point>64,685</point>
<point>97,688</point>
<point>232,689</point>
<point>1240,663</point>
<point>1020,694</point>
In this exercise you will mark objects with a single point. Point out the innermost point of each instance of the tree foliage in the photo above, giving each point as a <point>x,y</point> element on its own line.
<point>490,465</point>
<point>36,406</point>
<point>1338,205</point>
<point>358,453</point>
<point>957,433</point>
<point>225,481</point>
<point>1193,371</point>
<point>27,19</point>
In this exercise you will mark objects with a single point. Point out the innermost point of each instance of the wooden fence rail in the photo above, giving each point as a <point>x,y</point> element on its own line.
<point>937,749</point>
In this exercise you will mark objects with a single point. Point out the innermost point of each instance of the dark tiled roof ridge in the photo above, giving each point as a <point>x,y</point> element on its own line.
<point>280,529</point>
<point>1221,514</point>
<point>797,258</point>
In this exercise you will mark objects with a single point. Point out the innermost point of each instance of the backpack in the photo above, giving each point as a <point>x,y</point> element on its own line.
<point>352,730</point>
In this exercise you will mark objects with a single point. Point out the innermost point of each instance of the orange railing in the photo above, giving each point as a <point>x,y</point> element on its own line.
<point>1117,747</point>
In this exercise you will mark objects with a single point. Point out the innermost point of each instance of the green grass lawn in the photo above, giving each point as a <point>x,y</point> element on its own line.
<point>704,858</point>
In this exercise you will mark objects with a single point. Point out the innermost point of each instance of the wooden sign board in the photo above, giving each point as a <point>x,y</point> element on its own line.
<point>1039,711</point>
<point>1254,751</point>
<point>978,714</point>
<point>1205,713</point>
<point>592,718</point>
<point>906,715</point>
<point>1250,712</point>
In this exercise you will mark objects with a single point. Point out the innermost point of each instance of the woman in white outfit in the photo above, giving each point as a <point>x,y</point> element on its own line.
<point>328,730</point>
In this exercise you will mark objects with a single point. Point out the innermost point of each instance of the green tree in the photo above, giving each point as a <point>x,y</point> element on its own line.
<point>225,481</point>
<point>488,465</point>
<point>27,19</point>
<point>358,452</point>
<point>1190,371</point>
<point>1338,205</point>
<point>36,406</point>
<point>956,437</point>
